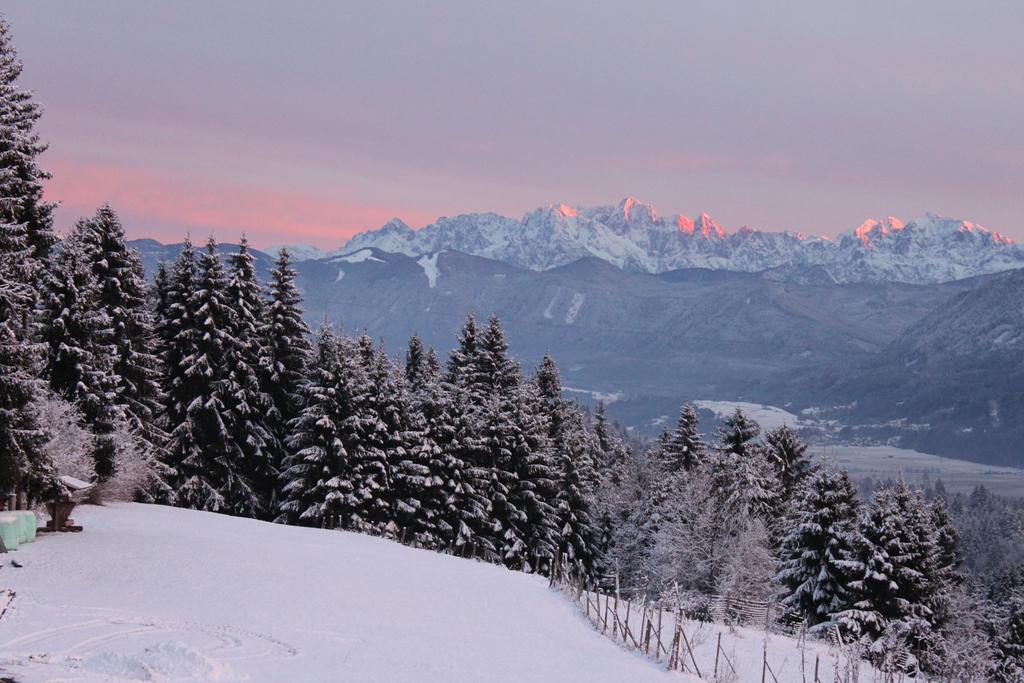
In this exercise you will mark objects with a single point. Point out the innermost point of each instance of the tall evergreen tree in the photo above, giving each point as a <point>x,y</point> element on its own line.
<point>685,448</point>
<point>459,429</point>
<point>415,365</point>
<point>178,333</point>
<point>245,397</point>
<point>25,238</point>
<point>211,468</point>
<point>888,566</point>
<point>21,179</point>
<point>287,353</point>
<point>122,297</point>
<point>459,472</point>
<point>788,455</point>
<point>77,333</point>
<point>818,536</point>
<point>496,385</point>
<point>743,480</point>
<point>315,479</point>
<point>376,436</point>
<point>737,434</point>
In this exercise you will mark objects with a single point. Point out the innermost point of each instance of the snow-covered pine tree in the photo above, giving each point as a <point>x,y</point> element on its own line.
<point>21,178</point>
<point>419,466</point>
<point>246,399</point>
<point>548,383</point>
<point>460,479</point>
<point>415,365</point>
<point>210,462</point>
<point>433,364</point>
<point>538,481</point>
<point>287,353</point>
<point>369,382</point>
<point>788,455</point>
<point>76,332</point>
<point>25,238</point>
<point>567,428</point>
<point>459,431</point>
<point>677,452</point>
<point>614,455</point>
<point>737,435</point>
<point>888,566</point>
<point>23,464</point>
<point>497,387</point>
<point>160,296</point>
<point>315,476</point>
<point>122,296</point>
<point>177,333</point>
<point>817,538</point>
<point>685,449</point>
<point>945,563</point>
<point>743,480</point>
<point>578,533</point>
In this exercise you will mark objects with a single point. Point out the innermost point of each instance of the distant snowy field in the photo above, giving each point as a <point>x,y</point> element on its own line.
<point>163,594</point>
<point>769,417</point>
<point>881,462</point>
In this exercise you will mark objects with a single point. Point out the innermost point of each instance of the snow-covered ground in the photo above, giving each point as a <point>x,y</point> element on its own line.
<point>163,594</point>
<point>769,417</point>
<point>889,462</point>
<point>744,650</point>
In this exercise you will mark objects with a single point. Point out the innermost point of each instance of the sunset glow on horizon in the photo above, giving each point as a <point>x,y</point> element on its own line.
<point>309,126</point>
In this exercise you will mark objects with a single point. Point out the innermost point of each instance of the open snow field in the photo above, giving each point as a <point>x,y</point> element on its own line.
<point>163,594</point>
<point>769,417</point>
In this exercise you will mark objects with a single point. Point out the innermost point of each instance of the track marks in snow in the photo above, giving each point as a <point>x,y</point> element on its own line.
<point>121,646</point>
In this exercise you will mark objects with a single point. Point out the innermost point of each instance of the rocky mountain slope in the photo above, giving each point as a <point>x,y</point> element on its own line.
<point>632,236</point>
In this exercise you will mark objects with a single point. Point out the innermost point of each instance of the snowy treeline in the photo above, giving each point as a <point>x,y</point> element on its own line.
<point>751,518</point>
<point>472,457</point>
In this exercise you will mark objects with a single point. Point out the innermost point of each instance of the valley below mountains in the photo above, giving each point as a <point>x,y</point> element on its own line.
<point>934,365</point>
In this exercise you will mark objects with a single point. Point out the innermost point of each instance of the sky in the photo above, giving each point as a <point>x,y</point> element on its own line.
<point>308,122</point>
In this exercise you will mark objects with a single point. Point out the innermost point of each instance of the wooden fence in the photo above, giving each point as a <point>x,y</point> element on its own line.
<point>642,627</point>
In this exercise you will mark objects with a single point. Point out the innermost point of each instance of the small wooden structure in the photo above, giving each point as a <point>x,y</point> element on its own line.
<point>60,508</point>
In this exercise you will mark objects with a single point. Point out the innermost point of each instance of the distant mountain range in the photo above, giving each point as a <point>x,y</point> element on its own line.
<point>632,236</point>
<point>936,366</point>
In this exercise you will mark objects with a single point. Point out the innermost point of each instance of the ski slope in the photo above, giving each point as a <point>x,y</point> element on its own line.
<point>163,594</point>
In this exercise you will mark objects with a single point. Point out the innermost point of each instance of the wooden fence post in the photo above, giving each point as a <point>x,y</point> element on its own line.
<point>657,653</point>
<point>690,650</point>
<point>615,612</point>
<point>718,648</point>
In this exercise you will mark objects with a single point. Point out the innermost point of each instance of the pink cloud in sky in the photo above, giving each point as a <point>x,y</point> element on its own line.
<point>163,205</point>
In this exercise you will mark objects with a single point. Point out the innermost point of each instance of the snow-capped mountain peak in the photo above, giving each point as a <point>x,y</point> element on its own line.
<point>872,229</point>
<point>632,236</point>
<point>708,227</point>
